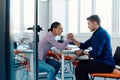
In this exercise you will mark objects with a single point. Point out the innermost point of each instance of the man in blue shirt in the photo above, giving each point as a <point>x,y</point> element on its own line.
<point>101,51</point>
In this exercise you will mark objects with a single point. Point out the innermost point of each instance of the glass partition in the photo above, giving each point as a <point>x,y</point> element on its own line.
<point>23,39</point>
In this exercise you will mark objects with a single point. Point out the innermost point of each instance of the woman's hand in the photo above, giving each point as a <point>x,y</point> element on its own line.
<point>70,36</point>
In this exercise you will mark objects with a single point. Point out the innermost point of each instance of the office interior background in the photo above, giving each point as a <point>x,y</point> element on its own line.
<point>19,15</point>
<point>71,14</point>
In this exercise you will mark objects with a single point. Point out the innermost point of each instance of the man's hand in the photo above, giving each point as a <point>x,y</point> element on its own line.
<point>86,52</point>
<point>70,36</point>
<point>78,52</point>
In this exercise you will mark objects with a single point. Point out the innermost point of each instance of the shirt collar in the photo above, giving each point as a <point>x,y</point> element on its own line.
<point>98,29</point>
<point>51,33</point>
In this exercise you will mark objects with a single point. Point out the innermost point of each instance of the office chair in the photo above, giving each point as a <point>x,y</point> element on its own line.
<point>68,58</point>
<point>57,56</point>
<point>115,74</point>
<point>21,65</point>
<point>117,56</point>
<point>53,55</point>
<point>20,60</point>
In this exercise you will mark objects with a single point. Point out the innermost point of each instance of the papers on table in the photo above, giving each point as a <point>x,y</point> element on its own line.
<point>69,49</point>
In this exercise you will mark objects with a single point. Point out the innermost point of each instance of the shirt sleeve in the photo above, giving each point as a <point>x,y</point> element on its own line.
<point>85,45</point>
<point>98,43</point>
<point>56,44</point>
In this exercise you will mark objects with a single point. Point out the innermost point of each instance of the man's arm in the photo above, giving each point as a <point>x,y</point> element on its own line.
<point>70,36</point>
<point>76,42</point>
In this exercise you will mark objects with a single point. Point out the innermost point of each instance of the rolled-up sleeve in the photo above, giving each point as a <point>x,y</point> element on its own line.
<point>58,45</point>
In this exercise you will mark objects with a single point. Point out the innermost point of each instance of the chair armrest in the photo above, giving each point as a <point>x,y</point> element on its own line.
<point>54,55</point>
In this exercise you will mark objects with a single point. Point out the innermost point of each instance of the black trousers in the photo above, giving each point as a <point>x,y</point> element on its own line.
<point>85,67</point>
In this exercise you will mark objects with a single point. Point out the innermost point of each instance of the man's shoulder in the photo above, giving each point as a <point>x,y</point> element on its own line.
<point>102,31</point>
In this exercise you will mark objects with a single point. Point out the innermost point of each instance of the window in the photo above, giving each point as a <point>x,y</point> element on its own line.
<point>79,10</point>
<point>28,14</point>
<point>104,10</point>
<point>21,15</point>
<point>119,15</point>
<point>76,12</point>
<point>85,11</point>
<point>15,15</point>
<point>73,16</point>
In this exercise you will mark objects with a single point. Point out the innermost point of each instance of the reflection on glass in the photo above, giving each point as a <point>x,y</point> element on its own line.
<point>22,56</point>
<point>15,15</point>
<point>28,13</point>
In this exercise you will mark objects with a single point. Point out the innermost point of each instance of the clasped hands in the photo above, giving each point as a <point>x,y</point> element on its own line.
<point>81,52</point>
<point>70,36</point>
<point>78,52</point>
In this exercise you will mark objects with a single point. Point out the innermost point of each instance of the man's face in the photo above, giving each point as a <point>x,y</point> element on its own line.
<point>91,25</point>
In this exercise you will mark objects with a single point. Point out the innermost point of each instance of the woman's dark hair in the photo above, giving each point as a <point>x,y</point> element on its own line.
<point>54,25</point>
<point>94,18</point>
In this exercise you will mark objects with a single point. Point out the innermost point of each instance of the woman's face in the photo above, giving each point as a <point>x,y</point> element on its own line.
<point>58,31</point>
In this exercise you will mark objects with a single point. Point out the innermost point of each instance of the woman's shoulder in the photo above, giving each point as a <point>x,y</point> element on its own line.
<point>49,34</point>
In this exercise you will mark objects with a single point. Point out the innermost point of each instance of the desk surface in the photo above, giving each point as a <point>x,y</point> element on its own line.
<point>69,49</point>
<point>68,52</point>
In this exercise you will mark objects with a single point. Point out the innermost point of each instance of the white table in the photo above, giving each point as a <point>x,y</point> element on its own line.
<point>73,48</point>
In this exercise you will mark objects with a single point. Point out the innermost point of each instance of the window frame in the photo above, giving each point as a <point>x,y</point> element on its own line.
<point>115,29</point>
<point>21,19</point>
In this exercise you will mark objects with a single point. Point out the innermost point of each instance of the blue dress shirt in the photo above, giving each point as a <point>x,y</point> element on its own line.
<point>101,47</point>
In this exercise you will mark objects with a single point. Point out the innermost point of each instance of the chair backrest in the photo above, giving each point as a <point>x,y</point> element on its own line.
<point>117,56</point>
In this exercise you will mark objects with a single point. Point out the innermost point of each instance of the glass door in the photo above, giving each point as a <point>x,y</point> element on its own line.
<point>24,38</point>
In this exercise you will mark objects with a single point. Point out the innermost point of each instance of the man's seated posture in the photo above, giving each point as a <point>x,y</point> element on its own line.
<point>101,51</point>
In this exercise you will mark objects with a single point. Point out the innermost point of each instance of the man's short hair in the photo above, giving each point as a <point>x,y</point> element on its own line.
<point>94,18</point>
